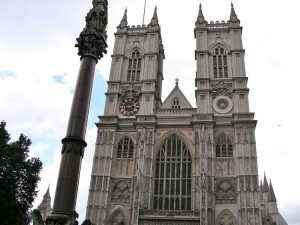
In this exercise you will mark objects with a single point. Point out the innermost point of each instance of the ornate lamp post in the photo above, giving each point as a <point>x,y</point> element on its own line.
<point>91,46</point>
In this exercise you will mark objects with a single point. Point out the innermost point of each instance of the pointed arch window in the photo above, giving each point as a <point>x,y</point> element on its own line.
<point>134,66</point>
<point>224,148</point>
<point>220,65</point>
<point>125,149</point>
<point>175,103</point>
<point>173,176</point>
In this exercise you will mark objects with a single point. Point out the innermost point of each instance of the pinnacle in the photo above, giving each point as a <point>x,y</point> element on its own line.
<point>154,20</point>
<point>47,194</point>
<point>272,197</point>
<point>155,13</point>
<point>200,18</point>
<point>233,16</point>
<point>123,22</point>
<point>265,184</point>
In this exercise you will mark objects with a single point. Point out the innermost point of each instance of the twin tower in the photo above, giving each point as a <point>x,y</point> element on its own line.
<point>165,162</point>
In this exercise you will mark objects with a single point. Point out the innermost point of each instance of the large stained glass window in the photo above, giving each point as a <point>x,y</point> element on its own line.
<point>173,176</point>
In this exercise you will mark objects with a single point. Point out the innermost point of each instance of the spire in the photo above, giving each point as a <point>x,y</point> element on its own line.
<point>47,194</point>
<point>123,22</point>
<point>200,18</point>
<point>46,202</point>
<point>154,20</point>
<point>233,16</point>
<point>265,184</point>
<point>176,82</point>
<point>272,197</point>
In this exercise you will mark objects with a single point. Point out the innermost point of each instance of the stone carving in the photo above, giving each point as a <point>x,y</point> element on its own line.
<point>92,40</point>
<point>226,191</point>
<point>226,218</point>
<point>196,137</point>
<point>248,183</point>
<point>221,89</point>
<point>121,192</point>
<point>215,35</point>
<point>241,182</point>
<point>116,218</point>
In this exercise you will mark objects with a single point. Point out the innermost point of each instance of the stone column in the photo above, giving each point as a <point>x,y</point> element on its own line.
<point>91,46</point>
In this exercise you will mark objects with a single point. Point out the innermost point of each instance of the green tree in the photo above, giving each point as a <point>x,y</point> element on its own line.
<point>19,176</point>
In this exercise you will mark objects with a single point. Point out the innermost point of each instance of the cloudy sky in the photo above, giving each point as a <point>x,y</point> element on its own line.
<point>39,65</point>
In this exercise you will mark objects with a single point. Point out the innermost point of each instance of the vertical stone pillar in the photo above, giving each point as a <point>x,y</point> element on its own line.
<point>91,46</point>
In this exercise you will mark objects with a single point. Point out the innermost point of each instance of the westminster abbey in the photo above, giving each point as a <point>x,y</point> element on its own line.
<point>165,162</point>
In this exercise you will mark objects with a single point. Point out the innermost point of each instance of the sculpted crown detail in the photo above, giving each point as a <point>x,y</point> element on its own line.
<point>92,40</point>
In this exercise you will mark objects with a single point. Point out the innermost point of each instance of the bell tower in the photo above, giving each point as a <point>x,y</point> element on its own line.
<point>135,82</point>
<point>125,141</point>
<point>230,166</point>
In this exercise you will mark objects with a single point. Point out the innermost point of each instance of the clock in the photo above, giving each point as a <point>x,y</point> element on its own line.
<point>129,106</point>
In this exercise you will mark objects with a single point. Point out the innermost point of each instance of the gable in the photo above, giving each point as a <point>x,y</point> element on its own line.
<point>176,98</point>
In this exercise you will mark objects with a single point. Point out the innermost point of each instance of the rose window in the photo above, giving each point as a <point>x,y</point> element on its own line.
<point>222,104</point>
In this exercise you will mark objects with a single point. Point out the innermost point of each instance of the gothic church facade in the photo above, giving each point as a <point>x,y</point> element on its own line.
<point>167,162</point>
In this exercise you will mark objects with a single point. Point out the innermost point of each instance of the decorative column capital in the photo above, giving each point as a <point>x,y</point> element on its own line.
<point>92,40</point>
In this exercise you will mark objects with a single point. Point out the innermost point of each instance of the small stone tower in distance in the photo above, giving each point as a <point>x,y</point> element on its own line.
<point>45,206</point>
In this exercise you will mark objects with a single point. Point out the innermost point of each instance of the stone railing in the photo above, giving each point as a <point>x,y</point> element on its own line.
<point>137,29</point>
<point>218,25</point>
<point>176,111</point>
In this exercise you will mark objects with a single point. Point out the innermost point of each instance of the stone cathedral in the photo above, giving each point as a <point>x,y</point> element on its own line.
<point>165,162</point>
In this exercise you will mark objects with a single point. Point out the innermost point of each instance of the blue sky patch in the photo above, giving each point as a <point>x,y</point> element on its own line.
<point>6,73</point>
<point>97,100</point>
<point>58,79</point>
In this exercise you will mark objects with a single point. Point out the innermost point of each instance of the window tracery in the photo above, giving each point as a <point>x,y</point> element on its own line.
<point>224,148</point>
<point>173,172</point>
<point>125,149</point>
<point>220,66</point>
<point>226,218</point>
<point>225,192</point>
<point>134,66</point>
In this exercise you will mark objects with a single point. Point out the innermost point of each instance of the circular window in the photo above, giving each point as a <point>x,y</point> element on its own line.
<point>222,104</point>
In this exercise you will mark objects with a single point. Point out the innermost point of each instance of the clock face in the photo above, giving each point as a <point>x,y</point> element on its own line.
<point>129,106</point>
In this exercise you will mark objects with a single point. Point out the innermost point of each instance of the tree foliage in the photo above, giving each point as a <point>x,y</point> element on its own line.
<point>19,176</point>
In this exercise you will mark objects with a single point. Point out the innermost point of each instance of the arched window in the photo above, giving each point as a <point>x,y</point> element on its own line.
<point>134,66</point>
<point>173,176</point>
<point>175,103</point>
<point>224,148</point>
<point>125,149</point>
<point>220,65</point>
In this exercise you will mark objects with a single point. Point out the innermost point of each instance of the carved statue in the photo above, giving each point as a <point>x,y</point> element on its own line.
<point>92,40</point>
